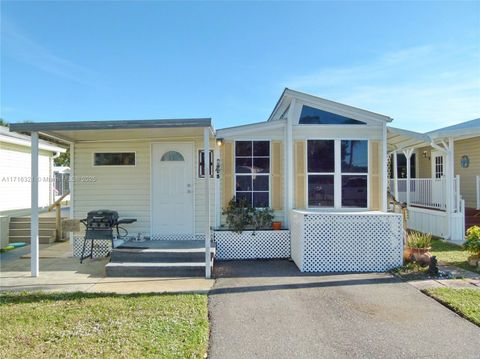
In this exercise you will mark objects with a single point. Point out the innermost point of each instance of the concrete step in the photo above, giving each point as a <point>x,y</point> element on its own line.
<point>148,269</point>
<point>154,255</point>
<point>26,225</point>
<point>26,232</point>
<point>26,239</point>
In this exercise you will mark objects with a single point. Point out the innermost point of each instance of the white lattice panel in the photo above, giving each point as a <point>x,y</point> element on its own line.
<point>252,245</point>
<point>177,237</point>
<point>353,242</point>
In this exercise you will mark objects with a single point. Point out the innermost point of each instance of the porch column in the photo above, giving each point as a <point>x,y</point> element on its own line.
<point>34,255</point>
<point>450,186</point>
<point>408,154</point>
<point>206,144</point>
<point>384,176</point>
<point>395,175</point>
<point>290,170</point>
<point>71,186</point>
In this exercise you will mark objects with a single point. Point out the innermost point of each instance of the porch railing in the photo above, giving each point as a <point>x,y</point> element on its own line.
<point>427,192</point>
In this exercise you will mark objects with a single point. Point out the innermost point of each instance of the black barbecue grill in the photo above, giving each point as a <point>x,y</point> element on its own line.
<point>99,226</point>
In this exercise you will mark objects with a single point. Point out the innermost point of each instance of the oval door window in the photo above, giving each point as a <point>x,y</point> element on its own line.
<point>172,156</point>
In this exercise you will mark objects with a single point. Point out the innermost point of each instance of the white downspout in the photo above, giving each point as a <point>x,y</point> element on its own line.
<point>206,145</point>
<point>34,245</point>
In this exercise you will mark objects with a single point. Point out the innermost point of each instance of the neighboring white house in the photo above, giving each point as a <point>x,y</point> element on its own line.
<point>15,169</point>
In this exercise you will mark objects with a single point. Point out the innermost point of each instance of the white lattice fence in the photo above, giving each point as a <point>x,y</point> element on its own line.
<point>347,242</point>
<point>252,245</point>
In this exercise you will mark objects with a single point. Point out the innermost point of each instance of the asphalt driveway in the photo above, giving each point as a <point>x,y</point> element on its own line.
<point>267,309</point>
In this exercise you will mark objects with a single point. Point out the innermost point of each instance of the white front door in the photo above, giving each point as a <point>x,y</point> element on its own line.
<point>438,179</point>
<point>172,189</point>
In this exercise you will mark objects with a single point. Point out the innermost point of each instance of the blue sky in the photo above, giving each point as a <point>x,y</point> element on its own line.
<point>418,62</point>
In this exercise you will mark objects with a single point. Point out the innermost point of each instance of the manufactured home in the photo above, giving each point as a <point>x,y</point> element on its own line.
<point>322,167</point>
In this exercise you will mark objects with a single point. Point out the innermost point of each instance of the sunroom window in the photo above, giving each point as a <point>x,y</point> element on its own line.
<point>337,173</point>
<point>252,172</point>
<point>315,116</point>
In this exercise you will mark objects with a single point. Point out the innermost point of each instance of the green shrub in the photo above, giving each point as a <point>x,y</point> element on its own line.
<point>419,240</point>
<point>241,215</point>
<point>473,240</point>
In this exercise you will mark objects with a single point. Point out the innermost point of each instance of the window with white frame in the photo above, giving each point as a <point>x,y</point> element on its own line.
<point>337,173</point>
<point>252,172</point>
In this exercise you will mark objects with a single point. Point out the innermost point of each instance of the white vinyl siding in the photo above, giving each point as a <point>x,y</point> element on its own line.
<point>126,189</point>
<point>15,187</point>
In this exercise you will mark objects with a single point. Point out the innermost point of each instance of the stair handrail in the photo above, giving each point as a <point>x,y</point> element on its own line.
<point>58,221</point>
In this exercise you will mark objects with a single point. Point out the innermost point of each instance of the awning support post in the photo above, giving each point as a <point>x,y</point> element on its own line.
<point>206,144</point>
<point>34,243</point>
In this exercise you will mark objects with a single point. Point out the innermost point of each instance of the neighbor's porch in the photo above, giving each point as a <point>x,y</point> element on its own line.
<point>435,204</point>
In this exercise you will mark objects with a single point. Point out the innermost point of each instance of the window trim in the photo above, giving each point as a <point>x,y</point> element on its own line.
<point>337,175</point>
<point>109,166</point>
<point>269,174</point>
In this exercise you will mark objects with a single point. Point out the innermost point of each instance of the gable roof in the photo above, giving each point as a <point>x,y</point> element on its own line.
<point>287,95</point>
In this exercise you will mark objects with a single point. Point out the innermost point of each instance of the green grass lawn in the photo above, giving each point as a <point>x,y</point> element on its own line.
<point>64,325</point>
<point>452,254</point>
<point>465,302</point>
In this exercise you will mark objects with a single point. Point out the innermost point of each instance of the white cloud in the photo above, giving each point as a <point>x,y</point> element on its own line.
<point>422,88</point>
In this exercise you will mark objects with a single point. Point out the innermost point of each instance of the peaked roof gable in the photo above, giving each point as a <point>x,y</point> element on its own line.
<point>283,104</point>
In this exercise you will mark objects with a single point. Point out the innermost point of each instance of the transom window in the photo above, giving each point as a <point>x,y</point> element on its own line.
<point>114,159</point>
<point>172,156</point>
<point>337,173</point>
<point>252,172</point>
<point>315,116</point>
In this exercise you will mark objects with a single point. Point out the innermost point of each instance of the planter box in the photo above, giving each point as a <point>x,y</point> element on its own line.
<point>262,244</point>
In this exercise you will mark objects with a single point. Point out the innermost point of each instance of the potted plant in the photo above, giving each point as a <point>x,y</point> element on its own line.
<point>262,218</point>
<point>472,245</point>
<point>276,225</point>
<point>418,247</point>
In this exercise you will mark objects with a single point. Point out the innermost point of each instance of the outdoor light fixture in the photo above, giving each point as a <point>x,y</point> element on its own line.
<point>217,168</point>
<point>219,142</point>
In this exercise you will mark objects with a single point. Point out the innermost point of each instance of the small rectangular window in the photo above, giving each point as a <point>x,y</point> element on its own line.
<point>114,159</point>
<point>201,164</point>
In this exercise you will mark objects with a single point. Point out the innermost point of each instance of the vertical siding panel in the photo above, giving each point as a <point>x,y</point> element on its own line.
<point>375,175</point>
<point>300,172</point>
<point>277,168</point>
<point>470,148</point>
